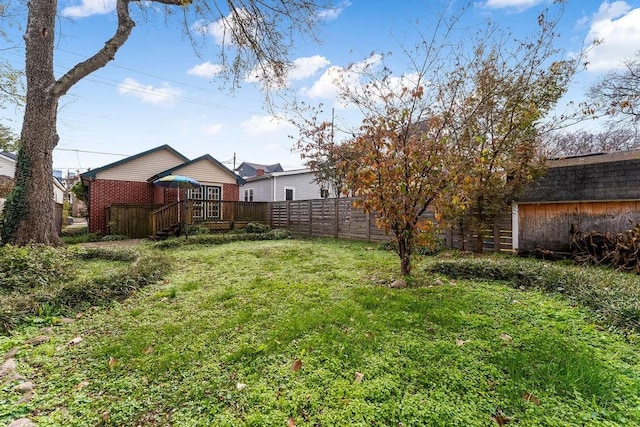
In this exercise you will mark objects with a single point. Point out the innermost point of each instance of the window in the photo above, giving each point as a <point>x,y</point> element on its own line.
<point>248,195</point>
<point>324,193</point>
<point>206,203</point>
<point>288,193</point>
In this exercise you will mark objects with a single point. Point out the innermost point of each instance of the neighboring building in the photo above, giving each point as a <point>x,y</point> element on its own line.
<point>130,181</point>
<point>298,184</point>
<point>248,170</point>
<point>8,170</point>
<point>7,164</point>
<point>597,192</point>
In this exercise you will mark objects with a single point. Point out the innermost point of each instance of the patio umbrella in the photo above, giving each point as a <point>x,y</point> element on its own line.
<point>180,182</point>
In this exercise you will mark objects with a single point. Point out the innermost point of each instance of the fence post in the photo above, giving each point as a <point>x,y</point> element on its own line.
<point>497,246</point>
<point>310,219</point>
<point>336,214</point>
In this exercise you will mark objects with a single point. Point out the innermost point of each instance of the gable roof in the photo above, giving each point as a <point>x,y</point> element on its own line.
<point>208,157</point>
<point>8,155</point>
<point>92,173</point>
<point>276,167</point>
<point>282,173</point>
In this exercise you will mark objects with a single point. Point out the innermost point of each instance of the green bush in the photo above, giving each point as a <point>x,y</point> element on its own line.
<point>65,296</point>
<point>220,238</point>
<point>113,237</point>
<point>22,268</point>
<point>613,296</point>
<point>110,254</point>
<point>256,228</point>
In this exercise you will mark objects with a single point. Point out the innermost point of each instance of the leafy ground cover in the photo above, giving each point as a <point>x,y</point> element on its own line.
<point>309,333</point>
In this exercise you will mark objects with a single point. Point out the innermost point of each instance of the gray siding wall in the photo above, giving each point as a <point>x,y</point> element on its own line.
<point>617,180</point>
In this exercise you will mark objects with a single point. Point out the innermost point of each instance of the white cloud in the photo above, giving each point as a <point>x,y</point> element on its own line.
<point>513,4</point>
<point>211,129</point>
<point>617,25</point>
<point>260,125</point>
<point>164,96</point>
<point>301,68</point>
<point>89,7</point>
<point>206,69</point>
<point>307,67</point>
<point>334,12</point>
<point>329,85</point>
<point>223,29</point>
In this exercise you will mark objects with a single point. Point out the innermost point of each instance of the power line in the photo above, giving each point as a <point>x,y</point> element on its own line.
<point>91,152</point>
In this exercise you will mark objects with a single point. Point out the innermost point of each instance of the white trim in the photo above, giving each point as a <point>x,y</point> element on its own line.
<point>514,226</point>
<point>293,193</point>
<point>244,194</point>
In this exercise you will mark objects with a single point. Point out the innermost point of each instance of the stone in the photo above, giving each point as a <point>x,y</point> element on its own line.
<point>398,284</point>
<point>40,339</point>
<point>22,422</point>
<point>11,353</point>
<point>8,367</point>
<point>24,387</point>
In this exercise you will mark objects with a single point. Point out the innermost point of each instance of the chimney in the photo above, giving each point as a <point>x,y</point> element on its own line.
<point>259,172</point>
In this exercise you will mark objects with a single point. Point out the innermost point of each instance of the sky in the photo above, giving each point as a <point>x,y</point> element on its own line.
<point>160,90</point>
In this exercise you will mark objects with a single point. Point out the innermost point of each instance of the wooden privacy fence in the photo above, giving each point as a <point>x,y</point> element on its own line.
<point>129,220</point>
<point>339,218</point>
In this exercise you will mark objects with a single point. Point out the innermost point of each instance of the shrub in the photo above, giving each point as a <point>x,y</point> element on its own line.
<point>25,267</point>
<point>256,228</point>
<point>110,254</point>
<point>613,296</point>
<point>220,238</point>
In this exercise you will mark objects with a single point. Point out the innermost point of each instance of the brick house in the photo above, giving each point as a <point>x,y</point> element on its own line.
<point>130,182</point>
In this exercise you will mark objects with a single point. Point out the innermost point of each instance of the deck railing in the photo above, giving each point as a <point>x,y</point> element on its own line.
<point>194,211</point>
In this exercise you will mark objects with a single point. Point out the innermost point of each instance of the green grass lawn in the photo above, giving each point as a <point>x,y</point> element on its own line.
<point>277,333</point>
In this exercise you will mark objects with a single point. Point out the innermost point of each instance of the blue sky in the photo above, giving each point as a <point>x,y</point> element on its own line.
<point>158,90</point>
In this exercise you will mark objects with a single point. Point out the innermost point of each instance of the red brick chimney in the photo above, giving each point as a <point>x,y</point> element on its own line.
<point>259,172</point>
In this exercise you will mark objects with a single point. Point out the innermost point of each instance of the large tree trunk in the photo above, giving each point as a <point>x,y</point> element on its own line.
<point>31,214</point>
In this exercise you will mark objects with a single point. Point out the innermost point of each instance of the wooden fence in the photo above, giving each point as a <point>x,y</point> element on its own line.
<point>339,218</point>
<point>129,220</point>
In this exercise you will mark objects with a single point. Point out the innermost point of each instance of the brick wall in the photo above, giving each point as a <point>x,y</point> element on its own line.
<point>104,192</point>
<point>231,192</point>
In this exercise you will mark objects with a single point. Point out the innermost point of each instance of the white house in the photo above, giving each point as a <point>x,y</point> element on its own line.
<point>295,184</point>
<point>8,168</point>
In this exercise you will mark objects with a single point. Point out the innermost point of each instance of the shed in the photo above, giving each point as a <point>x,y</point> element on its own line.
<point>596,192</point>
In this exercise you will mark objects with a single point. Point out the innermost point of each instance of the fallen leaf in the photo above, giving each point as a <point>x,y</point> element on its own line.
<point>491,383</point>
<point>297,365</point>
<point>112,362</point>
<point>358,377</point>
<point>500,418</point>
<point>148,350</point>
<point>75,341</point>
<point>291,422</point>
<point>240,386</point>
<point>79,315</point>
<point>528,397</point>
<point>81,385</point>
<point>505,337</point>
<point>460,342</point>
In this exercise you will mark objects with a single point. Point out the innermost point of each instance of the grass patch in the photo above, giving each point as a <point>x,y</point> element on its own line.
<point>613,296</point>
<point>255,334</point>
<point>40,284</point>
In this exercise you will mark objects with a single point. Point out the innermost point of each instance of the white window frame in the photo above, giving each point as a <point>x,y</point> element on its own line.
<point>293,193</point>
<point>248,192</point>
